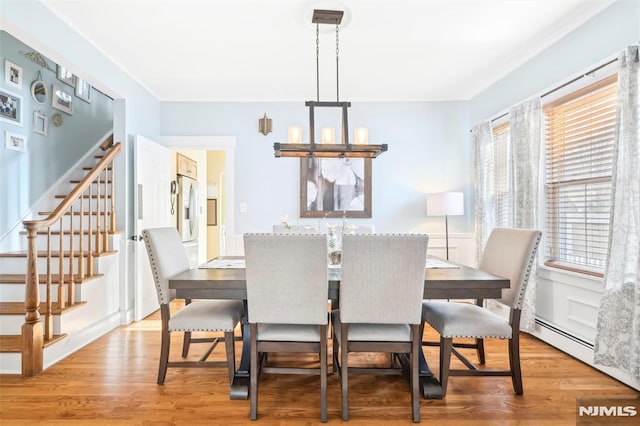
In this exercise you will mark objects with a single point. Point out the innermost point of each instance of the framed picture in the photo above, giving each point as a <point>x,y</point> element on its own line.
<point>212,211</point>
<point>335,187</point>
<point>83,90</point>
<point>65,75</point>
<point>40,123</point>
<point>15,141</point>
<point>12,74</point>
<point>10,107</point>
<point>62,100</point>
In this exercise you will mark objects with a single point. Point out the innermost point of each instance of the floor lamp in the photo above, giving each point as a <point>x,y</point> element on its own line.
<point>445,204</point>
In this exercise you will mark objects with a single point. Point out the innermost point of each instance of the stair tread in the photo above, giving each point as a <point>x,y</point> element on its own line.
<point>17,308</point>
<point>13,343</point>
<point>94,196</point>
<point>86,213</point>
<point>55,254</point>
<point>92,183</point>
<point>21,278</point>
<point>76,232</point>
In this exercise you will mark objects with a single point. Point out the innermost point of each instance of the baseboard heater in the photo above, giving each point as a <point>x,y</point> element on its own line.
<point>563,333</point>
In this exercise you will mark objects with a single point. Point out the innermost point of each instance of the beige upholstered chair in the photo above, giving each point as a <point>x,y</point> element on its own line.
<point>287,290</point>
<point>167,257</point>
<point>295,229</point>
<point>509,253</point>
<point>380,305</point>
<point>355,229</point>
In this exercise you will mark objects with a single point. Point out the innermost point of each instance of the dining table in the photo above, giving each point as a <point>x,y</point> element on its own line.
<point>224,278</point>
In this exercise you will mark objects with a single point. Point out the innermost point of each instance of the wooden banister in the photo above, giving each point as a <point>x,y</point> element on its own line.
<point>33,334</point>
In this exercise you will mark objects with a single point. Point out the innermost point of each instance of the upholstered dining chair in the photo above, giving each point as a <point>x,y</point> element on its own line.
<point>167,257</point>
<point>295,229</point>
<point>287,291</point>
<point>509,253</point>
<point>381,293</point>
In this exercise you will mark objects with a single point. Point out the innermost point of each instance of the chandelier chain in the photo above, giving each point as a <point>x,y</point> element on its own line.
<point>318,62</point>
<point>337,64</point>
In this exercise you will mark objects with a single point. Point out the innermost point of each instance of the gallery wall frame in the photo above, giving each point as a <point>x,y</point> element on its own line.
<point>40,123</point>
<point>61,100</point>
<point>83,90</point>
<point>13,74</point>
<point>66,76</point>
<point>10,107</point>
<point>15,141</point>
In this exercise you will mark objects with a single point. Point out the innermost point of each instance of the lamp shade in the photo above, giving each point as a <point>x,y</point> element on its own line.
<point>445,204</point>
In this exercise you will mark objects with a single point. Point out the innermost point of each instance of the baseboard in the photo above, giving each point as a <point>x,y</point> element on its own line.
<point>579,349</point>
<point>58,352</point>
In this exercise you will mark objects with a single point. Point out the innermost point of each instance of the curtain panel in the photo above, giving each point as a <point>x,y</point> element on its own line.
<point>525,122</point>
<point>525,127</point>
<point>617,342</point>
<point>484,150</point>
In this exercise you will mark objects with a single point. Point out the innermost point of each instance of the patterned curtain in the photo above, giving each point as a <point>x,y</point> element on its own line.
<point>484,160</point>
<point>525,122</point>
<point>617,342</point>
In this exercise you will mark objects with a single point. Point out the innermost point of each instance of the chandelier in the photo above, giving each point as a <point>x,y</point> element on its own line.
<point>327,147</point>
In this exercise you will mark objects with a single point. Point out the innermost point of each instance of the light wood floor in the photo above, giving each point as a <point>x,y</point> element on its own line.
<point>112,381</point>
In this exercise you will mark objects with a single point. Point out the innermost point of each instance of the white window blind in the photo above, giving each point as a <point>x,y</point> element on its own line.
<point>580,131</point>
<point>502,174</point>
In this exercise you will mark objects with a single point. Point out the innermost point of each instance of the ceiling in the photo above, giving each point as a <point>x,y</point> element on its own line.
<point>265,50</point>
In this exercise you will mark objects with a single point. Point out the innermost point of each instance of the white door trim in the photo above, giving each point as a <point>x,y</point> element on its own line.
<point>214,143</point>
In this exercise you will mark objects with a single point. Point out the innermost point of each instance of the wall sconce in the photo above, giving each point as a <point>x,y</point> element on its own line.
<point>264,125</point>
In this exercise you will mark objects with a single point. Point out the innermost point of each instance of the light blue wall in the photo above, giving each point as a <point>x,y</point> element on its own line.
<point>598,39</point>
<point>28,175</point>
<point>428,152</point>
<point>137,110</point>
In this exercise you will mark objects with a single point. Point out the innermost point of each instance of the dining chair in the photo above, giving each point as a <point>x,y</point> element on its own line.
<point>167,258</point>
<point>381,293</point>
<point>509,253</point>
<point>295,229</point>
<point>287,291</point>
<point>355,229</point>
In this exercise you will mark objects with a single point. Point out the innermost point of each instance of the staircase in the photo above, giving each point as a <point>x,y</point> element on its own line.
<point>58,284</point>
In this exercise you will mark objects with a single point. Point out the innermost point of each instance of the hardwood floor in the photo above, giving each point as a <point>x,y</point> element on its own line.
<point>112,381</point>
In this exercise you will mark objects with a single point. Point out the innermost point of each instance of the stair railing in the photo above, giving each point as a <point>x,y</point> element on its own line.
<point>80,260</point>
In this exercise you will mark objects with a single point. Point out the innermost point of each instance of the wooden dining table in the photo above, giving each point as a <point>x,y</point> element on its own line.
<point>456,282</point>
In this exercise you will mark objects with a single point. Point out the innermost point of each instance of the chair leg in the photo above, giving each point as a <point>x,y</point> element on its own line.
<point>323,373</point>
<point>344,371</point>
<point>253,384</point>
<point>164,356</point>
<point>415,347</point>
<point>186,342</point>
<point>514,363</point>
<point>229,345</point>
<point>335,363</point>
<point>445,360</point>
<point>480,351</point>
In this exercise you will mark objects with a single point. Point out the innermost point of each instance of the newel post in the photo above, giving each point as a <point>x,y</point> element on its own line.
<point>32,332</point>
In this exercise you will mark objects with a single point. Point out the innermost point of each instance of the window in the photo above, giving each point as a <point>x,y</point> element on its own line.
<point>502,171</point>
<point>580,131</point>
